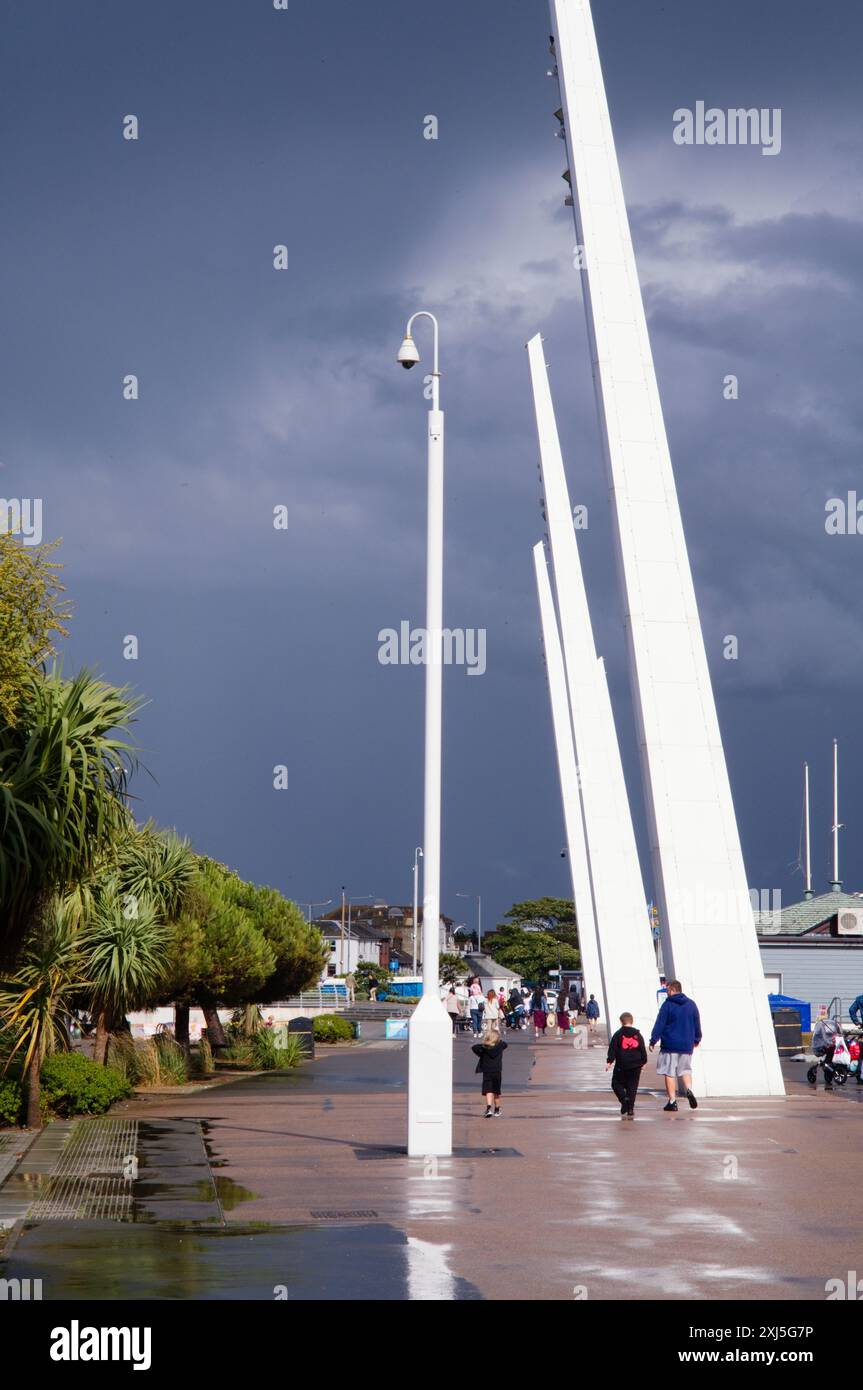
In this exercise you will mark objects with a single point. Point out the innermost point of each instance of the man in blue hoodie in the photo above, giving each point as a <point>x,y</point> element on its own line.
<point>678,1031</point>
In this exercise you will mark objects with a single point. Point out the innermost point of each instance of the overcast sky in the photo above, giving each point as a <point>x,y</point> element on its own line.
<point>261,387</point>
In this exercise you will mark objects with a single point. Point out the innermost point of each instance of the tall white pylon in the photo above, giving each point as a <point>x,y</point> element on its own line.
<point>572,813</point>
<point>619,903</point>
<point>709,938</point>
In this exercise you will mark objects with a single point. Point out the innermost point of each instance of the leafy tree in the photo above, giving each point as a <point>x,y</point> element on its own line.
<point>32,614</point>
<point>369,973</point>
<point>532,954</point>
<point>553,915</point>
<point>35,1001</point>
<point>452,968</point>
<point>298,947</point>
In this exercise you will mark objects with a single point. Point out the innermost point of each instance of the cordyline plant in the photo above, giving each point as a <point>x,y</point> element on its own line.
<point>125,958</point>
<point>64,766</point>
<point>36,1000</point>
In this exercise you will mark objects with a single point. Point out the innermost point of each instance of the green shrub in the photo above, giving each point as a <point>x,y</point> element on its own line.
<point>123,1057</point>
<point>11,1098</point>
<point>173,1064</point>
<point>264,1049</point>
<point>331,1028</point>
<point>73,1084</point>
<point>292,1051</point>
<point>241,1053</point>
<point>202,1060</point>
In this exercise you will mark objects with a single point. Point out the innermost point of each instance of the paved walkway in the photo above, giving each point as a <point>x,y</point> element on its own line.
<point>308,1188</point>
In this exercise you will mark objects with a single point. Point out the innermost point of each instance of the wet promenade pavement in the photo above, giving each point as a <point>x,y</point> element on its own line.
<point>295,1185</point>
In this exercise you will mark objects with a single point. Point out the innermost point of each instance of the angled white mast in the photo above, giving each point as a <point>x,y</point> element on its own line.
<point>709,938</point>
<point>619,902</point>
<point>568,771</point>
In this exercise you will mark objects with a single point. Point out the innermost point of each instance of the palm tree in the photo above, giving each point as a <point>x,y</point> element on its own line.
<point>64,766</point>
<point>35,1001</point>
<point>124,946</point>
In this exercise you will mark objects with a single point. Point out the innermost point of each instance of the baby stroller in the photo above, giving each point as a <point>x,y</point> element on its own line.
<point>840,1072</point>
<point>838,1069</point>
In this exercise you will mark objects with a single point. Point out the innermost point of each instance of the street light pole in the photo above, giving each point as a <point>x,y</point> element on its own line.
<point>418,855</point>
<point>478,897</point>
<point>430,1033</point>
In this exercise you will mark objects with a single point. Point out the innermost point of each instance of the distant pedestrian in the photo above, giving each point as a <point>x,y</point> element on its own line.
<point>492,1014</point>
<point>373,991</point>
<point>592,1012</point>
<point>538,1008</point>
<point>351,986</point>
<point>562,1014</point>
<point>825,1036</point>
<point>490,1054</point>
<point>678,1031</point>
<point>627,1054</point>
<point>515,1008</point>
<point>475,1005</point>
<point>452,1008</point>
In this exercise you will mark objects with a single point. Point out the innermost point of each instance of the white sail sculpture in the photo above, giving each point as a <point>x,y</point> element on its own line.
<point>619,904</point>
<point>709,938</point>
<point>572,814</point>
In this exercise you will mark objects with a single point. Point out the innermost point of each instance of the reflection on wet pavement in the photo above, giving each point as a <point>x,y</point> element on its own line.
<point>106,1260</point>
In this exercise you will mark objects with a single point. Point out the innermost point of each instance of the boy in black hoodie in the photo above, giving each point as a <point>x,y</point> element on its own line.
<point>627,1054</point>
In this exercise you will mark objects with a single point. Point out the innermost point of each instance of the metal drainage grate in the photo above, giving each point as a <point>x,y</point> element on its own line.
<point>360,1215</point>
<point>92,1180</point>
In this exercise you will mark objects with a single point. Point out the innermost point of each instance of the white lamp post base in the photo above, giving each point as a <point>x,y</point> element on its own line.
<point>430,1042</point>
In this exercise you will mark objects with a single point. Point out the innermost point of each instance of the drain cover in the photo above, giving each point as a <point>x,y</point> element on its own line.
<point>360,1215</point>
<point>92,1180</point>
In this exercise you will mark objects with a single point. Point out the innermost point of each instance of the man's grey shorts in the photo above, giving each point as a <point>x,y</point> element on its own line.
<point>674,1063</point>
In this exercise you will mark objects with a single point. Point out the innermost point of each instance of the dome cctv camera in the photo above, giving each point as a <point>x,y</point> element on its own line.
<point>408,355</point>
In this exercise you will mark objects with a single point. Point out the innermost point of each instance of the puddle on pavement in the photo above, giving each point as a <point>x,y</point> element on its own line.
<point>103,1260</point>
<point>231,1194</point>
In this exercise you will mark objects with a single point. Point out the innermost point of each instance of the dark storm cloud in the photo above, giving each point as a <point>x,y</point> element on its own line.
<point>260,388</point>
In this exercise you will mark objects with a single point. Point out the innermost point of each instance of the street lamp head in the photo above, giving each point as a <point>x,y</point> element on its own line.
<point>408,354</point>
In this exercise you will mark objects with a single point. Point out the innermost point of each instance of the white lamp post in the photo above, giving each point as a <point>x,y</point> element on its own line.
<point>430,1033</point>
<point>418,855</point>
<point>478,897</point>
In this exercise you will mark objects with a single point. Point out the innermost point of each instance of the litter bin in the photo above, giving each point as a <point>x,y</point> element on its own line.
<point>305,1029</point>
<point>789,1034</point>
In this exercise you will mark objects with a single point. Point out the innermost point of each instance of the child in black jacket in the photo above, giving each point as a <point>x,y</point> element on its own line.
<point>627,1054</point>
<point>490,1053</point>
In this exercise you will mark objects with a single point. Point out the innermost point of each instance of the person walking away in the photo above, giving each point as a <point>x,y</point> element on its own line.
<point>678,1031</point>
<point>490,1064</point>
<point>461,994</point>
<point>592,1011</point>
<point>562,1014</point>
<point>492,1013</point>
<point>516,1007</point>
<point>475,1006</point>
<point>452,1008</point>
<point>627,1054</point>
<point>538,1009</point>
<point>825,1036</point>
<point>351,986</point>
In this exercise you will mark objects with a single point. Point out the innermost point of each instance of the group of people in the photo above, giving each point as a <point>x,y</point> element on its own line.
<point>469,1006</point>
<point>677,1031</point>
